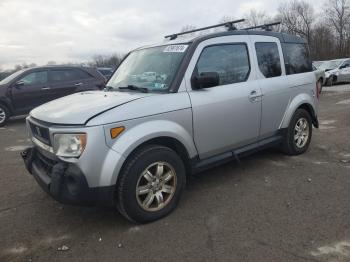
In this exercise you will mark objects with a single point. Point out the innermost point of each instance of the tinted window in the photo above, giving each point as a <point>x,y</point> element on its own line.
<point>231,62</point>
<point>80,74</point>
<point>68,75</point>
<point>61,75</point>
<point>296,58</point>
<point>35,78</point>
<point>268,59</point>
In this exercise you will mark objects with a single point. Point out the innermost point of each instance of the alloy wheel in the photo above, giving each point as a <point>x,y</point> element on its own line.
<point>301,132</point>
<point>156,186</point>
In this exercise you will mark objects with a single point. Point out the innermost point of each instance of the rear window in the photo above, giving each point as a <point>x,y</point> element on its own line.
<point>296,58</point>
<point>268,59</point>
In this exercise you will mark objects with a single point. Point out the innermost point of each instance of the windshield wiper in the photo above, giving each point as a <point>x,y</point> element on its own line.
<point>135,88</point>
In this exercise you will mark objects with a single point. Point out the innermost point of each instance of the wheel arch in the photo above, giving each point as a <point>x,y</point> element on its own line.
<point>7,105</point>
<point>305,102</point>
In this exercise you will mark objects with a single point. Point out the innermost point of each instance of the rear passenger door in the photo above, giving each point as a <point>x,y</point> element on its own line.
<point>273,83</point>
<point>226,116</point>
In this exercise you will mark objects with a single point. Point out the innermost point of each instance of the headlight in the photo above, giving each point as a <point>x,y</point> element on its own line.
<point>69,145</point>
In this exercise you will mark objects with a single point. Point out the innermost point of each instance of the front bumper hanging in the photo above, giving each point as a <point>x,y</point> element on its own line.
<point>65,182</point>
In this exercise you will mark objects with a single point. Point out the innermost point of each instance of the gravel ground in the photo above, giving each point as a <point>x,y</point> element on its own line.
<point>270,207</point>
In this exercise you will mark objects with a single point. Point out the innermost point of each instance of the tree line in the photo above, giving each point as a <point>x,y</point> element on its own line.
<point>327,29</point>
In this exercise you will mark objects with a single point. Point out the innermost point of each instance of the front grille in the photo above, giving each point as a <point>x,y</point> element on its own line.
<point>41,133</point>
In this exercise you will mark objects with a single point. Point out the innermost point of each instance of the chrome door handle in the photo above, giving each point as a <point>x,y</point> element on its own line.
<point>78,84</point>
<point>46,88</point>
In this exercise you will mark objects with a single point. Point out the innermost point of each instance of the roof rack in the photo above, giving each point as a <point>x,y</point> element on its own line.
<point>266,27</point>
<point>229,25</point>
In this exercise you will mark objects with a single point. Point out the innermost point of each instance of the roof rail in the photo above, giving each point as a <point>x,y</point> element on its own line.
<point>230,26</point>
<point>266,27</point>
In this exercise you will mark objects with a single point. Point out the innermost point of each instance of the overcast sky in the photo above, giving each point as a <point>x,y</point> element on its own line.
<point>38,31</point>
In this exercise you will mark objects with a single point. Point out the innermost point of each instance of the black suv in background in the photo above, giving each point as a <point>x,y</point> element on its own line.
<point>28,88</point>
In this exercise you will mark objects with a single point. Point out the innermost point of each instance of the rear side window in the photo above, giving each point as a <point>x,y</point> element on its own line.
<point>68,75</point>
<point>230,61</point>
<point>35,78</point>
<point>61,75</point>
<point>80,74</point>
<point>268,59</point>
<point>296,58</point>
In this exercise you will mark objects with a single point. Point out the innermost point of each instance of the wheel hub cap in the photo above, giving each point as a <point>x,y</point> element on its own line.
<point>301,133</point>
<point>156,186</point>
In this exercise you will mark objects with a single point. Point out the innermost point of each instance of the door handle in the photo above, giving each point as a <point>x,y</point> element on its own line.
<point>254,95</point>
<point>46,88</point>
<point>78,84</point>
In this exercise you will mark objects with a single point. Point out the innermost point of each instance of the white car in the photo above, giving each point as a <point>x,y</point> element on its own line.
<point>336,71</point>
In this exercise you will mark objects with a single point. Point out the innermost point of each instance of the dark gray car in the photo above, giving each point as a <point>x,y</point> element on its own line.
<point>28,88</point>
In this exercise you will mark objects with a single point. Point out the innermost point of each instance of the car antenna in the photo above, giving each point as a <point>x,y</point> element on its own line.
<point>266,27</point>
<point>229,25</point>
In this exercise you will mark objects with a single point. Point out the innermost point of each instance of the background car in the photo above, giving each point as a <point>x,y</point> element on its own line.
<point>29,88</point>
<point>336,71</point>
<point>107,72</point>
<point>317,64</point>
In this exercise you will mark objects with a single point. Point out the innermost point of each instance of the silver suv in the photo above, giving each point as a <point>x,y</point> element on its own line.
<point>171,110</point>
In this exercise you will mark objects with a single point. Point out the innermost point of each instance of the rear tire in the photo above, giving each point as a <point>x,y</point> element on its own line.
<point>298,134</point>
<point>4,115</point>
<point>150,184</point>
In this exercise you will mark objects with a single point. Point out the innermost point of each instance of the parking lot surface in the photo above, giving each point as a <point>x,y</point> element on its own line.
<point>270,207</point>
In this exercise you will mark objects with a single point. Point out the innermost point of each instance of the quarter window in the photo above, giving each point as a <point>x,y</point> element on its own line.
<point>230,61</point>
<point>297,59</point>
<point>35,78</point>
<point>268,59</point>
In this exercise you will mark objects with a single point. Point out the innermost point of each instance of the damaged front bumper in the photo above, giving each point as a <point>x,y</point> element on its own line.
<point>65,182</point>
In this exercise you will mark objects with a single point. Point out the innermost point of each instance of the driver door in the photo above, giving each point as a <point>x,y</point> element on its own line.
<point>29,91</point>
<point>227,116</point>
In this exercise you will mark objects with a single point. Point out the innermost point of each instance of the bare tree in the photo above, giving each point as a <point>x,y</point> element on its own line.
<point>338,16</point>
<point>297,18</point>
<point>255,18</point>
<point>106,61</point>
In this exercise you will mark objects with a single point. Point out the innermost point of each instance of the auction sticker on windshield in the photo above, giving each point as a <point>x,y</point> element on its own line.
<point>175,49</point>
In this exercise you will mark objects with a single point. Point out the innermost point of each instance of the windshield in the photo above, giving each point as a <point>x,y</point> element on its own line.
<point>152,68</point>
<point>11,77</point>
<point>330,65</point>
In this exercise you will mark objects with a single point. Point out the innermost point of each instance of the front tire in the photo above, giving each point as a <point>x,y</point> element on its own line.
<point>150,184</point>
<point>298,134</point>
<point>4,115</point>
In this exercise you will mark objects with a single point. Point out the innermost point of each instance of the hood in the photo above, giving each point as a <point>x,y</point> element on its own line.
<point>331,71</point>
<point>78,108</point>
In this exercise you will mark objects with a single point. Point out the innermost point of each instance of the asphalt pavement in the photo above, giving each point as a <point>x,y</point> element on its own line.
<point>270,207</point>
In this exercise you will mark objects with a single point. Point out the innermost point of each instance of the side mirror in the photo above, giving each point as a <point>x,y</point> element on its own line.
<point>205,80</point>
<point>344,66</point>
<point>19,83</point>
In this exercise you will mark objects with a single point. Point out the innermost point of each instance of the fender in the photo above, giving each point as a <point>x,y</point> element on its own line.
<point>7,102</point>
<point>136,135</point>
<point>133,137</point>
<point>296,102</point>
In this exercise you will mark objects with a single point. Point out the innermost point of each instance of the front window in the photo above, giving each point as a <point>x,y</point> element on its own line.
<point>152,68</point>
<point>35,78</point>
<point>11,77</point>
